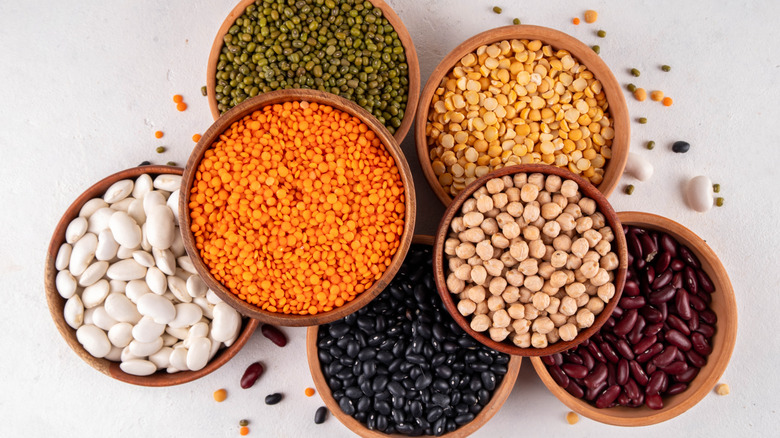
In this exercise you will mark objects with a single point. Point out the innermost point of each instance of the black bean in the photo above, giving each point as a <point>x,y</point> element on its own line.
<point>321,415</point>
<point>272,399</point>
<point>681,147</point>
<point>440,399</point>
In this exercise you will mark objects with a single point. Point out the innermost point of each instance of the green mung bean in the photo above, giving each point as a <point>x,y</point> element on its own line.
<point>631,87</point>
<point>719,201</point>
<point>629,189</point>
<point>716,188</point>
<point>666,68</point>
<point>650,144</point>
<point>601,33</point>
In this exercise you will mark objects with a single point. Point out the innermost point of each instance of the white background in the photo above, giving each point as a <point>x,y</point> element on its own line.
<point>84,84</point>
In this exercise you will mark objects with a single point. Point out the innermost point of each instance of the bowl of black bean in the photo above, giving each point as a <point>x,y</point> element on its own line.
<point>402,367</point>
<point>668,340</point>
<point>357,49</point>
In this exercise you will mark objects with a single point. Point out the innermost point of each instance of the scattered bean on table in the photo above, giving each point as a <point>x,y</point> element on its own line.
<point>596,49</point>
<point>642,120</point>
<point>591,16</point>
<point>575,21</point>
<point>666,68</point>
<point>196,137</point>
<point>698,193</point>
<point>629,189</point>
<point>681,147</point>
<point>243,422</point>
<point>601,33</point>
<point>251,374</point>
<point>160,149</point>
<point>722,389</point>
<point>220,395</point>
<point>572,418</point>
<point>640,94</point>
<point>274,335</point>
<point>719,201</point>
<point>516,21</point>
<point>631,87</point>
<point>309,392</point>
<point>243,430</point>
<point>650,145</point>
<point>272,399</point>
<point>635,72</point>
<point>656,95</point>
<point>204,90</point>
<point>667,101</point>
<point>716,188</point>
<point>321,415</point>
<point>497,10</point>
<point>158,134</point>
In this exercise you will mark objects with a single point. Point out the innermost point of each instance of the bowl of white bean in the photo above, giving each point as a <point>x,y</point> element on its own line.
<point>527,261</point>
<point>124,295</point>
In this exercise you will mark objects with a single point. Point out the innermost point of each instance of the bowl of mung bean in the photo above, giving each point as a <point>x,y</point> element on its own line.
<point>670,338</point>
<point>521,95</point>
<point>527,261</point>
<point>357,49</point>
<point>89,319</point>
<point>298,207</point>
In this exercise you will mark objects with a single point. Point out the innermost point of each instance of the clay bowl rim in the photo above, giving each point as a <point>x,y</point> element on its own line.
<point>410,51</point>
<point>247,107</point>
<point>724,305</point>
<point>619,247</point>
<point>56,303</point>
<point>560,40</point>
<point>497,401</point>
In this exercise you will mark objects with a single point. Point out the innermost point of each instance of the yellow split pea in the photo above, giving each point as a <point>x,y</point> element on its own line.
<point>517,102</point>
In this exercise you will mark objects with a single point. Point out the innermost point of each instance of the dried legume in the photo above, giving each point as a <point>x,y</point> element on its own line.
<point>347,48</point>
<point>158,134</point>
<point>220,395</point>
<point>243,430</point>
<point>666,68</point>
<point>596,49</point>
<point>572,418</point>
<point>303,220</point>
<point>635,72</point>
<point>650,145</point>
<point>196,137</point>
<point>181,106</point>
<point>629,189</point>
<point>517,102</point>
<point>272,399</point>
<point>516,21</point>
<point>681,147</point>
<point>402,365</point>
<point>160,149</point>
<point>642,120</point>
<point>716,188</point>
<point>719,201</point>
<point>601,33</point>
<point>243,423</point>
<point>631,87</point>
<point>640,94</point>
<point>591,16</point>
<point>575,21</point>
<point>667,101</point>
<point>274,334</point>
<point>698,193</point>
<point>321,415</point>
<point>251,374</point>
<point>309,392</point>
<point>656,95</point>
<point>722,389</point>
<point>171,163</point>
<point>497,10</point>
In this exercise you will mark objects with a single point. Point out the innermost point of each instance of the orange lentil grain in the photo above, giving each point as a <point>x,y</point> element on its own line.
<point>158,134</point>
<point>292,206</point>
<point>243,430</point>
<point>667,101</point>
<point>177,98</point>
<point>196,138</point>
<point>310,391</point>
<point>220,395</point>
<point>575,20</point>
<point>181,106</point>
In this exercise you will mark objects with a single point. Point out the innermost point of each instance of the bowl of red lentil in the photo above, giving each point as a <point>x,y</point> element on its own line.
<point>521,95</point>
<point>298,207</point>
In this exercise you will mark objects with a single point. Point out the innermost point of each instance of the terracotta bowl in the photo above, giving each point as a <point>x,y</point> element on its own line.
<point>57,303</point>
<point>723,304</point>
<point>500,394</point>
<point>247,107</point>
<point>558,40</point>
<point>618,247</point>
<point>388,13</point>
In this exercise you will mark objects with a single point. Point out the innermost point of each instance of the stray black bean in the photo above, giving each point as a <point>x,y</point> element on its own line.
<point>681,147</point>
<point>272,399</point>
<point>321,415</point>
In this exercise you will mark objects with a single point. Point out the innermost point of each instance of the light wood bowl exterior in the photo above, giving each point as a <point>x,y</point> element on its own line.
<point>558,40</point>
<point>499,396</point>
<point>388,13</point>
<point>247,107</point>
<point>57,303</point>
<point>723,304</point>
<point>618,247</point>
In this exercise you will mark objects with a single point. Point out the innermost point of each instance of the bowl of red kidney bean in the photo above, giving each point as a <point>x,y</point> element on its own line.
<point>667,342</point>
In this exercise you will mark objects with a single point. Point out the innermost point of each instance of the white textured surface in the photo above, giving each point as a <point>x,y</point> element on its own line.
<point>86,83</point>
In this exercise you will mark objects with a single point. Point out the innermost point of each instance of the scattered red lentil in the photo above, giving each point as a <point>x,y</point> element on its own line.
<point>158,134</point>
<point>196,138</point>
<point>309,392</point>
<point>297,208</point>
<point>220,395</point>
<point>181,106</point>
<point>667,101</point>
<point>177,98</point>
<point>575,20</point>
<point>243,430</point>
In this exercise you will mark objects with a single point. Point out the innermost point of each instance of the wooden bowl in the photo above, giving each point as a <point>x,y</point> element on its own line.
<point>389,14</point>
<point>57,303</point>
<point>723,304</point>
<point>618,247</point>
<point>248,107</point>
<point>499,396</point>
<point>558,40</point>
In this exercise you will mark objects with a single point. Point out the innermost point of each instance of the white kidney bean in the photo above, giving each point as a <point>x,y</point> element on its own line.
<point>179,358</point>
<point>125,230</point>
<point>147,330</point>
<point>74,312</point>
<point>76,229</point>
<point>66,284</point>
<point>638,167</point>
<point>699,193</point>
<point>138,367</point>
<point>121,334</point>
<point>102,319</point>
<point>144,349</point>
<point>93,273</point>
<point>118,191</point>
<point>94,340</point>
<point>198,353</point>
<point>164,260</point>
<point>167,182</point>
<point>126,270</point>
<point>82,254</point>
<point>156,307</point>
<point>90,207</point>
<point>160,226</point>
<point>93,295</point>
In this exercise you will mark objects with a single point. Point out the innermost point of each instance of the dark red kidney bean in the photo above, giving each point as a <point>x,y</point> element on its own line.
<point>629,303</point>
<point>650,352</point>
<point>609,352</point>
<point>695,359</point>
<point>607,397</point>
<point>548,360</point>
<point>700,344</point>
<point>635,247</point>
<point>650,273</point>
<point>708,316</point>
<point>676,265</point>
<point>610,322</point>
<point>665,357</point>
<point>637,372</point>
<point>626,323</point>
<point>649,247</point>
<point>630,261</point>
<point>623,399</point>
<point>668,244</point>
<point>574,370</point>
<point>676,368</point>
<point>559,375</point>
<point>575,389</point>
<point>677,280</point>
<point>596,377</point>
<point>274,334</point>
<point>636,334</point>
<point>594,350</point>
<point>587,358</point>
<point>611,374</point>
<point>655,383</point>
<point>644,344</point>
<point>631,388</point>
<point>687,256</point>
<point>653,329</point>
<point>617,313</point>
<point>664,310</point>
<point>662,262</point>
<point>252,373</point>
<point>704,296</point>
<point>558,358</point>
<point>690,281</point>
<point>694,322</point>
<point>705,282</point>
<point>677,388</point>
<point>624,349</point>
<point>682,304</point>
<point>679,355</point>
<point>687,376</point>
<point>592,393</point>
<point>650,368</point>
<point>652,315</point>
<point>654,401</point>
<point>676,323</point>
<point>639,402</point>
<point>662,279</point>
<point>640,264</point>
<point>662,295</point>
<point>622,372</point>
<point>678,339</point>
<point>631,288</point>
<point>707,330</point>
<point>606,337</point>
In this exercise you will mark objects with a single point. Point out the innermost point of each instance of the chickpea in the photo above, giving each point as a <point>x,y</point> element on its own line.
<point>530,233</point>
<point>518,249</point>
<point>457,225</point>
<point>469,205</point>
<point>587,205</point>
<point>558,319</point>
<point>476,294</point>
<point>480,323</point>
<point>543,325</point>
<point>575,199</point>
<point>579,247</point>
<point>536,179</point>
<point>534,283</point>
<point>495,185</point>
<point>473,219</point>
<point>544,197</point>
<point>607,234</point>
<point>583,299</point>
<point>585,318</point>
<point>516,311</point>
<point>529,192</point>
<point>465,250</point>
<point>489,226</point>
<point>531,312</point>
<point>560,200</point>
<point>601,278</point>
<point>528,267</point>
<point>545,270</point>
<point>558,279</point>
<point>482,308</point>
<point>522,340</point>
<point>511,230</point>
<point>515,209</point>
<point>538,340</point>
<point>591,256</point>
<point>478,275</point>
<point>553,183</point>
<point>590,289</point>
<point>548,250</point>
<point>520,179</point>
<point>549,289</point>
<point>495,303</point>
<point>454,284</point>
<point>593,237</point>
<point>558,259</point>
<point>573,262</point>
<point>525,295</point>
<point>498,240</point>
<point>455,263</point>
<point>553,337</point>
<point>511,294</point>
<point>484,204</point>
<point>531,212</point>
<point>562,243</point>
<point>599,221</point>
<point>569,188</point>
<point>508,183</point>
<point>493,213</point>
<point>555,303</point>
<point>493,267</point>
<point>583,224</point>
<point>498,334</point>
<point>567,332</point>
<point>512,194</point>
<point>610,261</point>
<point>500,200</point>
<point>566,221</point>
<point>466,307</point>
<point>484,250</point>
<point>540,300</point>
<point>574,210</point>
<point>480,192</point>
<point>450,245</point>
<point>463,272</point>
<point>497,285</point>
<point>550,210</point>
<point>595,305</point>
<point>474,260</point>
<point>503,219</point>
<point>603,247</point>
<point>501,319</point>
<point>507,259</point>
<point>536,249</point>
<point>551,229</point>
<point>606,292</point>
<point>568,306</point>
<point>589,269</point>
<point>575,289</point>
<point>472,235</point>
<point>515,277</point>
